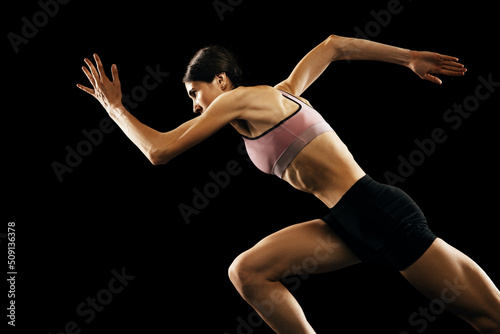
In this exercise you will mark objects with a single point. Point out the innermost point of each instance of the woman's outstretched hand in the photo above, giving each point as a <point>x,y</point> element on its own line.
<point>108,93</point>
<point>424,64</point>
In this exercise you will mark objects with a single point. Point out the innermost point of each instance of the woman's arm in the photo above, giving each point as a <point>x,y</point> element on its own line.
<point>424,64</point>
<point>361,49</point>
<point>158,147</point>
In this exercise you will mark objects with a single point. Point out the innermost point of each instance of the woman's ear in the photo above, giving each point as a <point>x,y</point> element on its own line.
<point>222,80</point>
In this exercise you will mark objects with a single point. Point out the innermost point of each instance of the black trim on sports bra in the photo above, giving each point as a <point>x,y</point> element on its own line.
<point>280,122</point>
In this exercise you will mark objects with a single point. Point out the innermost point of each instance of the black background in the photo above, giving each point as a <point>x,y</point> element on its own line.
<point>115,210</point>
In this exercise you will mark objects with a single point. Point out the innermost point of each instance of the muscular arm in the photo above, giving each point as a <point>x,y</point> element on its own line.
<point>361,49</point>
<point>424,64</point>
<point>159,147</point>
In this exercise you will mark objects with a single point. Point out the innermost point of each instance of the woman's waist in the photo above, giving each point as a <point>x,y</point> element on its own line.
<point>328,185</point>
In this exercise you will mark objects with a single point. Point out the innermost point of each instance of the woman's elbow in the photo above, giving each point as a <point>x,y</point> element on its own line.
<point>338,46</point>
<point>159,157</point>
<point>157,161</point>
<point>332,38</point>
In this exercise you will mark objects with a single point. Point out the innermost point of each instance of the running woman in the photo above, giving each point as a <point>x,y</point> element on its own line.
<point>285,136</point>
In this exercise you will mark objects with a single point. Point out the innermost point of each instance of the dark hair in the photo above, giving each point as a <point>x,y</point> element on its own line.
<point>210,61</point>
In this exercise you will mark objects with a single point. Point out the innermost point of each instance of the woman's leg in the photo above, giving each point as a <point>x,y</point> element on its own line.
<point>306,248</point>
<point>452,279</point>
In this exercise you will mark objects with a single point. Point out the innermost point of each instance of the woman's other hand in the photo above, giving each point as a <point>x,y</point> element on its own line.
<point>425,64</point>
<point>107,92</point>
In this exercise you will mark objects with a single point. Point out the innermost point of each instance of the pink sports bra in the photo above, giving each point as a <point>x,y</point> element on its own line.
<point>276,148</point>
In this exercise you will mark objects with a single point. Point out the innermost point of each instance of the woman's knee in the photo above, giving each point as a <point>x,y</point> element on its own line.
<point>240,271</point>
<point>244,274</point>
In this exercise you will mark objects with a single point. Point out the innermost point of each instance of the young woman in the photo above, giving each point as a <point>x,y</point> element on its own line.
<point>285,136</point>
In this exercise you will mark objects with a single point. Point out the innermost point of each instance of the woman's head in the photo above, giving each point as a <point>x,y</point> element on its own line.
<point>212,71</point>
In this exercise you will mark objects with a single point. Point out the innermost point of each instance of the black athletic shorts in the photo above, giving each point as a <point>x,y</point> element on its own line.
<point>381,224</point>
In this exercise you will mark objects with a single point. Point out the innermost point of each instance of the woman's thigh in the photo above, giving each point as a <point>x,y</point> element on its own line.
<point>305,248</point>
<point>453,280</point>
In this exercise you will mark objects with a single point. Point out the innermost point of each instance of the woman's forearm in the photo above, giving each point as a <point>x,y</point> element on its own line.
<point>144,137</point>
<point>361,49</point>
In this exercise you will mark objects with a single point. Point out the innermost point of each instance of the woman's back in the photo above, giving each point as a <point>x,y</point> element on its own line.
<point>322,165</point>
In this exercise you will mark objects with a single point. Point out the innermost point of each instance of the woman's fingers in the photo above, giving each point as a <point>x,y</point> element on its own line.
<point>91,79</point>
<point>114,76</point>
<point>453,64</point>
<point>450,66</point>
<point>89,76</point>
<point>425,64</point>
<point>453,68</point>
<point>433,79</point>
<point>93,71</point>
<point>100,68</point>
<point>106,92</point>
<point>86,89</point>
<point>98,75</point>
<point>449,58</point>
<point>452,73</point>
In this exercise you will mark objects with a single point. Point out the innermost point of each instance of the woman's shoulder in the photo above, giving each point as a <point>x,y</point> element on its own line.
<point>255,90</point>
<point>254,96</point>
<point>258,97</point>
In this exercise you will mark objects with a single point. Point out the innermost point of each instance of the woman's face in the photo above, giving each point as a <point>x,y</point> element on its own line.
<point>203,93</point>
